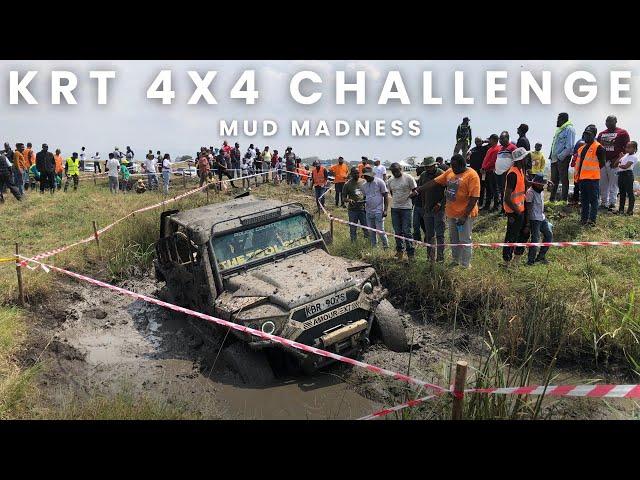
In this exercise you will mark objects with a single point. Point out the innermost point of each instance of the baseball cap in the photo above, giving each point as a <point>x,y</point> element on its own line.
<point>367,172</point>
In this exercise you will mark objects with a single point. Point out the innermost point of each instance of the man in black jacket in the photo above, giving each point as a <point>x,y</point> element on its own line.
<point>46,165</point>
<point>433,200</point>
<point>6,179</point>
<point>476,157</point>
<point>463,138</point>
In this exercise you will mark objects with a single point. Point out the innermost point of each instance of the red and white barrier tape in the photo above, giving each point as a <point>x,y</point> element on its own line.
<point>591,391</point>
<point>613,243</point>
<point>56,251</point>
<point>624,243</point>
<point>386,411</point>
<point>258,333</point>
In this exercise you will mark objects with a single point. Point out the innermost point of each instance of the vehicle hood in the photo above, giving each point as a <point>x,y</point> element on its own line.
<point>299,278</point>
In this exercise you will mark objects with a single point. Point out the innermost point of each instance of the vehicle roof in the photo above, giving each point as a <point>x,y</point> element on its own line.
<point>200,220</point>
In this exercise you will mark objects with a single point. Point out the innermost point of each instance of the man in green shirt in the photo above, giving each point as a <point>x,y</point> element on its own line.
<point>125,184</point>
<point>353,195</point>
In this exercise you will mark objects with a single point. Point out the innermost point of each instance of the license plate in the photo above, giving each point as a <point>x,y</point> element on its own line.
<point>325,303</point>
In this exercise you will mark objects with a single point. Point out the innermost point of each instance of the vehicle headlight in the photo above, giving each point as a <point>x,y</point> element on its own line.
<point>367,287</point>
<point>268,327</point>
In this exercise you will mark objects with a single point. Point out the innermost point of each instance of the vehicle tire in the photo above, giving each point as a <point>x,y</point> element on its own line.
<point>253,366</point>
<point>388,325</point>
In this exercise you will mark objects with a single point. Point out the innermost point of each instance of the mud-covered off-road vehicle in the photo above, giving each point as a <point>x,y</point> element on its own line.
<point>264,264</point>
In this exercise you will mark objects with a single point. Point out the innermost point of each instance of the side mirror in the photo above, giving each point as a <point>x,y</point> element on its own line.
<point>327,237</point>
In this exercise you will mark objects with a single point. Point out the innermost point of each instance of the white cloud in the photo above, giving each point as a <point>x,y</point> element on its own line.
<point>373,71</point>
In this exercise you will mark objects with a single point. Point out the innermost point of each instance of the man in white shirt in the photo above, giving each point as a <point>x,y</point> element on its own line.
<point>96,163</point>
<point>166,173</point>
<point>83,157</point>
<point>379,170</point>
<point>150,168</point>
<point>401,185</point>
<point>113,169</point>
<point>266,163</point>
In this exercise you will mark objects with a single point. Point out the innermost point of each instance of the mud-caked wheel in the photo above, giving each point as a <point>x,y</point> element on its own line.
<point>389,328</point>
<point>253,366</point>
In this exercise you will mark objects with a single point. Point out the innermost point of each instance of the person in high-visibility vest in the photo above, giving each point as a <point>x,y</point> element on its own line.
<point>513,205</point>
<point>340,173</point>
<point>319,179</point>
<point>591,157</point>
<point>301,174</point>
<point>72,171</point>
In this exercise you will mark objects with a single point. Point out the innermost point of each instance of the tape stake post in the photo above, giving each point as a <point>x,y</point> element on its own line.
<point>458,390</point>
<point>19,273</point>
<point>97,237</point>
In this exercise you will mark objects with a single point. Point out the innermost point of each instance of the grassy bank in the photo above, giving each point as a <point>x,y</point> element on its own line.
<point>583,304</point>
<point>42,222</point>
<point>582,309</point>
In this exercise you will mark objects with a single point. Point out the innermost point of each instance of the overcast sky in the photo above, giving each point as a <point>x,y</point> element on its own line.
<point>132,119</point>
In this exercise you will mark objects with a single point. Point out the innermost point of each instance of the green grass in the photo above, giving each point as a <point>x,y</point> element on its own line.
<point>122,406</point>
<point>15,383</point>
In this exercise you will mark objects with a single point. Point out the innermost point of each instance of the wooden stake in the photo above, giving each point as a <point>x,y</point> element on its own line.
<point>95,234</point>
<point>458,389</point>
<point>19,272</point>
<point>331,227</point>
<point>94,178</point>
<point>184,179</point>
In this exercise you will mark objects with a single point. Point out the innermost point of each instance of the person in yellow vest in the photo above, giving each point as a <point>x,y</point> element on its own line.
<point>537,160</point>
<point>72,171</point>
<point>340,172</point>
<point>514,196</point>
<point>591,157</point>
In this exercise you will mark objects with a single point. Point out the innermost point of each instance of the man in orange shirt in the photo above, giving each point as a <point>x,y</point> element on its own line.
<point>361,166</point>
<point>340,173</point>
<point>462,191</point>
<point>30,159</point>
<point>19,167</point>
<point>59,169</point>
<point>319,179</point>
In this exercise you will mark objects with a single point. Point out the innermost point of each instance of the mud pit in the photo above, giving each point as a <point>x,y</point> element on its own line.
<point>94,341</point>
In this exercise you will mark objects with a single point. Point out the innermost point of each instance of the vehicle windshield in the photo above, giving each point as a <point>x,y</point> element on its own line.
<point>262,241</point>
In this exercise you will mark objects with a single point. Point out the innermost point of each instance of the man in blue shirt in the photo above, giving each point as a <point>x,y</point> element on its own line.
<point>561,153</point>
